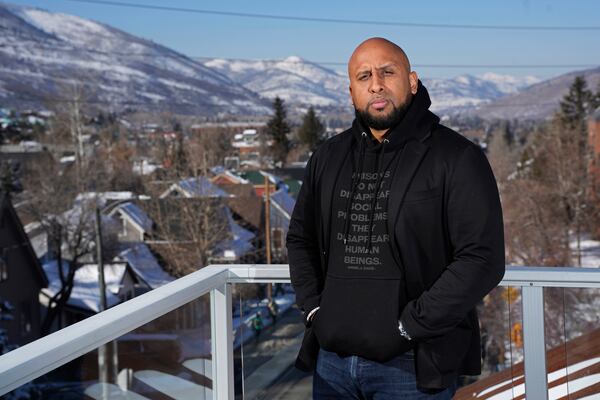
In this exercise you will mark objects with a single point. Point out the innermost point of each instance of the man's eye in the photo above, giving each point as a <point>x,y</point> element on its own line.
<point>389,72</point>
<point>363,77</point>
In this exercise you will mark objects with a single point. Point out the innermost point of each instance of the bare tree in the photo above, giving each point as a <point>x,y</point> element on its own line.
<point>188,231</point>
<point>68,226</point>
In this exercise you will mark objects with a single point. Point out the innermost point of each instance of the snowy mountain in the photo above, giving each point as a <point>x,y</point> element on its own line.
<point>293,79</point>
<point>538,101</point>
<point>45,55</point>
<point>302,82</point>
<point>467,90</point>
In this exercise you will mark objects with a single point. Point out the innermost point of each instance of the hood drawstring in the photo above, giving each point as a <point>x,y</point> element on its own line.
<point>355,182</point>
<point>377,189</point>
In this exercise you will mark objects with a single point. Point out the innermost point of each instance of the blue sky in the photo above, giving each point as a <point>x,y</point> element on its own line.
<point>237,37</point>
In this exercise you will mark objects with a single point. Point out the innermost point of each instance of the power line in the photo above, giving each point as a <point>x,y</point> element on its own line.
<point>176,55</point>
<point>337,20</point>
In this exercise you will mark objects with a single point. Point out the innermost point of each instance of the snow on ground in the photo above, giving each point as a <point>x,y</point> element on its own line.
<point>590,252</point>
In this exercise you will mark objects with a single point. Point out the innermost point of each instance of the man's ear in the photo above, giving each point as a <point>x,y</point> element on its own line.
<point>351,98</point>
<point>413,78</point>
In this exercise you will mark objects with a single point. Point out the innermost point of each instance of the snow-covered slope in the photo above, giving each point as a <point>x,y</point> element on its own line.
<point>468,90</point>
<point>538,101</point>
<point>293,79</point>
<point>44,54</point>
<point>302,82</point>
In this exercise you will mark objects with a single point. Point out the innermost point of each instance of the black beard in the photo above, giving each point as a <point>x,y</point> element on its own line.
<point>385,122</point>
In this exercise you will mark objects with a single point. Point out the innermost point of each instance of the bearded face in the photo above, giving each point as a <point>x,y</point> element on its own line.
<point>382,120</point>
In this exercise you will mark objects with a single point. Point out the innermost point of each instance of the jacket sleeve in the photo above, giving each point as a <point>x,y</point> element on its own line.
<point>302,244</point>
<point>476,233</point>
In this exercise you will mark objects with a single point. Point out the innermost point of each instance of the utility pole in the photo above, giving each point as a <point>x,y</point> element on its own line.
<point>268,231</point>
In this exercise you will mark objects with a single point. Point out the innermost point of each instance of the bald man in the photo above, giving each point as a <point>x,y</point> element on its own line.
<point>396,235</point>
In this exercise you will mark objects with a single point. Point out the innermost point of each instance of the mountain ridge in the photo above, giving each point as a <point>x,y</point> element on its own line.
<point>43,50</point>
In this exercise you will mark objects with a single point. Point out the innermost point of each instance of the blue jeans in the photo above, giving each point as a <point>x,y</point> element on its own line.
<point>357,378</point>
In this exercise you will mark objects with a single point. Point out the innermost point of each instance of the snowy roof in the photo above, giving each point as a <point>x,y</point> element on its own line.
<point>284,201</point>
<point>86,290</point>
<point>145,265</point>
<point>201,186</point>
<point>137,215</point>
<point>232,176</point>
<point>104,197</point>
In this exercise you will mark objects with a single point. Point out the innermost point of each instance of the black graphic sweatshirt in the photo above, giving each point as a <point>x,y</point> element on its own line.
<point>364,289</point>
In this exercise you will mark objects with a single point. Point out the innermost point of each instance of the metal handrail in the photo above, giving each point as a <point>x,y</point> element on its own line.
<point>28,362</point>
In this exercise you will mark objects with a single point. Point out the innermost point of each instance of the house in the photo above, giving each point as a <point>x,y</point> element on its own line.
<point>134,223</point>
<point>248,145</point>
<point>224,177</point>
<point>145,266</point>
<point>198,226</point>
<point>257,179</point>
<point>194,187</point>
<point>21,279</point>
<point>228,128</point>
<point>84,301</point>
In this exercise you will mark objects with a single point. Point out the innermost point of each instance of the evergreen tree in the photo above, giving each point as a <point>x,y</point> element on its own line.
<point>569,158</point>
<point>577,105</point>
<point>277,129</point>
<point>311,130</point>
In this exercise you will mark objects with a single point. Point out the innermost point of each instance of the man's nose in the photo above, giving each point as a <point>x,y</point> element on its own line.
<point>376,83</point>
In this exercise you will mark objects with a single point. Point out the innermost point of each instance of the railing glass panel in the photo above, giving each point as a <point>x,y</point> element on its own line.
<point>169,357</point>
<point>502,343</point>
<point>267,339</point>
<point>572,318</point>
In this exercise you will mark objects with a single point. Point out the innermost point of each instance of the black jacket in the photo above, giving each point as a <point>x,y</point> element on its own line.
<point>445,223</point>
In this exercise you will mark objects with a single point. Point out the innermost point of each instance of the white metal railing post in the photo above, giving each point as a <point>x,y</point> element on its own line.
<point>534,343</point>
<point>222,342</point>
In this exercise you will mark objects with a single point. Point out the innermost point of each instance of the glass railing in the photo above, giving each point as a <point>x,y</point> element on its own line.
<point>214,335</point>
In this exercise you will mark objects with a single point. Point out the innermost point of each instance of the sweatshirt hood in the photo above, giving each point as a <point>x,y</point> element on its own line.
<point>415,125</point>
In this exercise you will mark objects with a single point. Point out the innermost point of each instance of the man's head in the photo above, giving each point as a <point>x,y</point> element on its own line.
<point>381,83</point>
